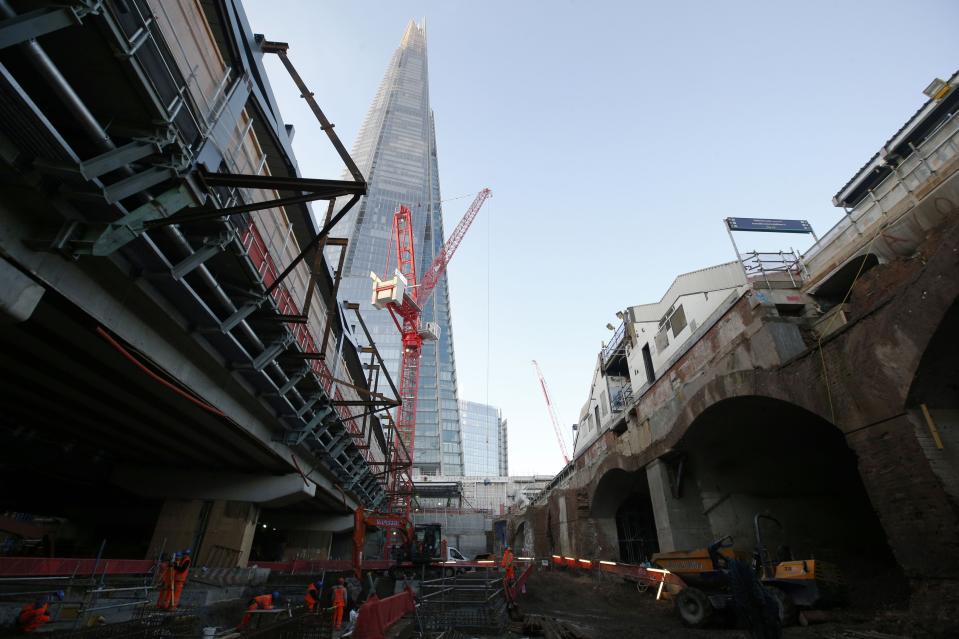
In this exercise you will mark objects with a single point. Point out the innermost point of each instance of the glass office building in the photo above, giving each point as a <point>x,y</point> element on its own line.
<point>396,152</point>
<point>484,440</point>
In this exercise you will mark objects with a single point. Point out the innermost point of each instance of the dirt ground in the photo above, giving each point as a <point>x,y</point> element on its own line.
<point>613,608</point>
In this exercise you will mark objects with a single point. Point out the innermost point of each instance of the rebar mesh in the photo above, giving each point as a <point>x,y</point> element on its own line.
<point>306,626</point>
<point>469,602</point>
<point>149,627</point>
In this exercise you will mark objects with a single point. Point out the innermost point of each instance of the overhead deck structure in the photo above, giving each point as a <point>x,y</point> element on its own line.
<point>168,305</point>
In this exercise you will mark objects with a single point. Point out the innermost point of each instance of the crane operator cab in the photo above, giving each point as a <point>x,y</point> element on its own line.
<point>427,543</point>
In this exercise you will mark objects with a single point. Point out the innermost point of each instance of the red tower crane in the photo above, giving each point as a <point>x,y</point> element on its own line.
<point>405,299</point>
<point>552,413</point>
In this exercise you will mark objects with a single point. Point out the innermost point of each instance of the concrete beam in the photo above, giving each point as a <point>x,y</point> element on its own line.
<point>171,483</point>
<point>309,521</point>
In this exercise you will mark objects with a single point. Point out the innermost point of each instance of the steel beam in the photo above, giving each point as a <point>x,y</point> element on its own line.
<point>116,159</point>
<point>137,183</point>
<point>33,24</point>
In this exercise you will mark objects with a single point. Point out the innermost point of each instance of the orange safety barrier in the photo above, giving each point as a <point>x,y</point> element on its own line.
<point>60,566</point>
<point>376,616</point>
<point>515,589</point>
<point>645,574</point>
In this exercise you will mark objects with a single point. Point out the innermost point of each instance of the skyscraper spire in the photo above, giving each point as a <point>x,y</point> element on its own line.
<point>396,151</point>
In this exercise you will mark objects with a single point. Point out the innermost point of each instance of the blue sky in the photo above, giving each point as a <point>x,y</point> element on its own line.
<point>615,137</point>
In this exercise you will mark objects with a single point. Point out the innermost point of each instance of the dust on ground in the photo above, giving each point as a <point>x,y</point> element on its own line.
<point>613,608</point>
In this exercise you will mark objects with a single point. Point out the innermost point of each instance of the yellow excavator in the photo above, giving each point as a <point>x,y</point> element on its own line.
<point>793,583</point>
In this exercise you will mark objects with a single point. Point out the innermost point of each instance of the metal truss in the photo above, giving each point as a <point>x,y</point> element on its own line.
<point>149,203</point>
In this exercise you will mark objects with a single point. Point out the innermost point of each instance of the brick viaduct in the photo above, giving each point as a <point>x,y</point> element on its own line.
<point>827,433</point>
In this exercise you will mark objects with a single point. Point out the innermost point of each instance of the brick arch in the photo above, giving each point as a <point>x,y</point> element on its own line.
<point>740,385</point>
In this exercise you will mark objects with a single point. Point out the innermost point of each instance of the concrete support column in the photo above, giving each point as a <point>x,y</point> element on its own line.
<point>220,532</point>
<point>680,523</point>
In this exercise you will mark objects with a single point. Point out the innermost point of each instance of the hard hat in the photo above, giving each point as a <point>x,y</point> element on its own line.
<point>60,595</point>
<point>340,580</point>
<point>319,584</point>
<point>276,594</point>
<point>188,551</point>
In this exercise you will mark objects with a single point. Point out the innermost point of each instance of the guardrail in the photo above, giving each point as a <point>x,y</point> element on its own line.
<point>935,152</point>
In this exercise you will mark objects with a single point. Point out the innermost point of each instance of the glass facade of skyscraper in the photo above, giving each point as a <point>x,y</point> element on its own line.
<point>396,152</point>
<point>484,440</point>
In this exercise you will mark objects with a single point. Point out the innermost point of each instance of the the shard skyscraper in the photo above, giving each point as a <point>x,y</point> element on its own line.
<point>396,152</point>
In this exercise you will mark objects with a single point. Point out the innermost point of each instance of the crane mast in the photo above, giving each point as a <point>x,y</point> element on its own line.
<point>552,413</point>
<point>405,300</point>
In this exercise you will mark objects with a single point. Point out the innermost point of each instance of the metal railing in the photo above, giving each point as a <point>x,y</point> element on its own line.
<point>616,344</point>
<point>926,160</point>
<point>781,266</point>
<point>622,399</point>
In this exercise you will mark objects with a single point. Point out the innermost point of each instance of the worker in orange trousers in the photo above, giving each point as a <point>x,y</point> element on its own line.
<point>166,585</point>
<point>339,603</point>
<point>260,602</point>
<point>507,563</point>
<point>34,615</point>
<point>181,570</point>
<point>313,595</point>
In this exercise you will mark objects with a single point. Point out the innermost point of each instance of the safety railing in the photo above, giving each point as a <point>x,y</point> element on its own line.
<point>616,344</point>
<point>263,261</point>
<point>771,267</point>
<point>928,158</point>
<point>622,399</point>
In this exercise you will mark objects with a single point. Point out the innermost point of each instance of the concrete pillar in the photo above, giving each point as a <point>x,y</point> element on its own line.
<point>220,532</point>
<point>680,523</point>
<point>564,545</point>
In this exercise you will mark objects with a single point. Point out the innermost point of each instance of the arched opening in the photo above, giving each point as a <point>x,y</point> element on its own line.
<point>933,401</point>
<point>834,289</point>
<point>518,542</point>
<point>754,455</point>
<point>623,515</point>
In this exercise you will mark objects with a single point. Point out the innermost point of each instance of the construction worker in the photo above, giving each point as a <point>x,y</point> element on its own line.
<point>167,583</point>
<point>181,570</point>
<point>339,603</point>
<point>260,602</point>
<point>313,592</point>
<point>34,615</point>
<point>507,563</point>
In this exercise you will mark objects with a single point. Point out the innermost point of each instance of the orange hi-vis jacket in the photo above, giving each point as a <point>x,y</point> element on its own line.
<point>32,617</point>
<point>312,596</point>
<point>339,596</point>
<point>260,602</point>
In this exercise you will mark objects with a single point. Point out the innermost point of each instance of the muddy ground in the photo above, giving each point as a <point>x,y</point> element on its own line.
<point>613,608</point>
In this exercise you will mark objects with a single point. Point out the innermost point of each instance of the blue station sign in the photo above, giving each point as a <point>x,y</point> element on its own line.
<point>767,225</point>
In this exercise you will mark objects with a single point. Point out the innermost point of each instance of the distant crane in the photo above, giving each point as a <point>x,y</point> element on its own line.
<point>405,300</point>
<point>552,413</point>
